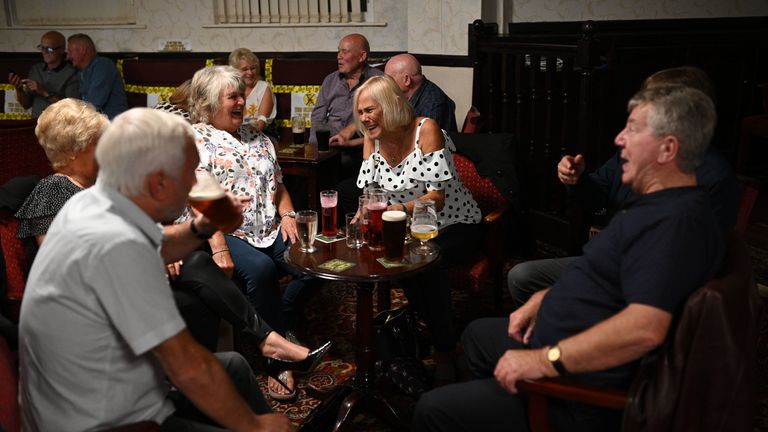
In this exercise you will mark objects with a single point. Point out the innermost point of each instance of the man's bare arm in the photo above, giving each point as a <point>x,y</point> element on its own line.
<point>202,379</point>
<point>624,337</point>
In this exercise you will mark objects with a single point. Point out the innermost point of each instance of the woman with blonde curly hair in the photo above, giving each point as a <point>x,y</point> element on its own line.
<point>260,102</point>
<point>68,131</point>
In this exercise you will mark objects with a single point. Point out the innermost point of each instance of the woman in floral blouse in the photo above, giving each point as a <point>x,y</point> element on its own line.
<point>244,161</point>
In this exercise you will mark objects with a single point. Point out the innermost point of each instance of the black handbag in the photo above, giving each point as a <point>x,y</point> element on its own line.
<point>401,344</point>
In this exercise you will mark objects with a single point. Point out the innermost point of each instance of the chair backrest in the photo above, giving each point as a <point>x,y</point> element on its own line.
<point>9,385</point>
<point>482,189</point>
<point>471,121</point>
<point>17,264</point>
<point>747,198</point>
<point>21,155</point>
<point>702,378</point>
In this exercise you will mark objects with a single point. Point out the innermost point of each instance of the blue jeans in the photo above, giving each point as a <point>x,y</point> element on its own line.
<point>261,269</point>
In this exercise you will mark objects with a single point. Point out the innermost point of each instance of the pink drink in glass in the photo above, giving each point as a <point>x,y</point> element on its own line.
<point>375,224</point>
<point>328,201</point>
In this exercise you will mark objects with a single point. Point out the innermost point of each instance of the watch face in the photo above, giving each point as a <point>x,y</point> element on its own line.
<point>553,354</point>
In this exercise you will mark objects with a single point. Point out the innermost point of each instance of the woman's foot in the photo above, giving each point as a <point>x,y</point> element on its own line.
<point>276,346</point>
<point>278,391</point>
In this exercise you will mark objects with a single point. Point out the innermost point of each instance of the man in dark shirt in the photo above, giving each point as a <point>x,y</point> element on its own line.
<point>47,82</point>
<point>616,302</point>
<point>334,101</point>
<point>603,192</point>
<point>427,99</point>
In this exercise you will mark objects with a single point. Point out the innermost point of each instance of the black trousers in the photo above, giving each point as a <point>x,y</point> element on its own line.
<point>187,418</point>
<point>482,404</point>
<point>430,292</point>
<point>205,295</point>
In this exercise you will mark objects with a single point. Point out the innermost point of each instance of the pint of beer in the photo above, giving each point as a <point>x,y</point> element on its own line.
<point>210,199</point>
<point>393,222</point>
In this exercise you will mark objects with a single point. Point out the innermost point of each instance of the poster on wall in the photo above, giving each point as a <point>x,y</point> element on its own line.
<point>302,104</point>
<point>12,106</point>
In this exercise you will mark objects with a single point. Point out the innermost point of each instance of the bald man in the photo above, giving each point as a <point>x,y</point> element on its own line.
<point>50,81</point>
<point>334,102</point>
<point>427,99</point>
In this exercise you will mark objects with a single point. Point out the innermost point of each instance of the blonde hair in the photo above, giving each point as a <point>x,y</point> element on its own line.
<point>67,127</point>
<point>396,111</point>
<point>180,97</point>
<point>249,57</point>
<point>205,90</point>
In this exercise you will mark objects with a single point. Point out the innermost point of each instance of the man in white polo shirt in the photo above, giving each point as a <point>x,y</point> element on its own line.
<point>99,327</point>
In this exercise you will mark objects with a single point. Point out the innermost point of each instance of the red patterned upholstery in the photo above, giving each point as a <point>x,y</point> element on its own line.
<point>9,383</point>
<point>21,155</point>
<point>16,263</point>
<point>486,269</point>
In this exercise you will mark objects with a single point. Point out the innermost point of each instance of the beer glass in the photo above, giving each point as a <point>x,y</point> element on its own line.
<point>355,238</point>
<point>323,135</point>
<point>306,224</point>
<point>209,198</point>
<point>393,231</point>
<point>328,201</point>
<point>377,203</point>
<point>298,123</point>
<point>424,225</point>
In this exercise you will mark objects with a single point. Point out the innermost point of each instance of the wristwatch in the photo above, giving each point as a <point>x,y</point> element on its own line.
<point>554,355</point>
<point>289,213</point>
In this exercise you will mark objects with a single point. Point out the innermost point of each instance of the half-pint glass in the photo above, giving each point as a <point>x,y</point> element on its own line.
<point>377,203</point>
<point>328,201</point>
<point>306,225</point>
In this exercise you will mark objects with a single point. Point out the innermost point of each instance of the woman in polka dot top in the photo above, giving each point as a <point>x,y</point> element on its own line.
<point>411,158</point>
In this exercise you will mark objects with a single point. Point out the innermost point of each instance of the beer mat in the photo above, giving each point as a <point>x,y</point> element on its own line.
<point>325,239</point>
<point>336,265</point>
<point>291,150</point>
<point>389,264</point>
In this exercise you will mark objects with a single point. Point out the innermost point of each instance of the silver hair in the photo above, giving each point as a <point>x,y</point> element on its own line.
<point>139,142</point>
<point>683,112</point>
<point>206,88</point>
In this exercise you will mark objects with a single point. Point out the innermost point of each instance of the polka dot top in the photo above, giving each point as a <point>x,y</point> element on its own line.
<point>420,173</point>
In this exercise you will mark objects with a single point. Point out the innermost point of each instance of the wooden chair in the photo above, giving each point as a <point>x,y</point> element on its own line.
<point>750,188</point>
<point>471,121</point>
<point>485,271</point>
<point>701,378</point>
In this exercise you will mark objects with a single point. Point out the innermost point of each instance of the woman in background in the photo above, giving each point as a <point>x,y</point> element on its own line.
<point>260,102</point>
<point>178,101</point>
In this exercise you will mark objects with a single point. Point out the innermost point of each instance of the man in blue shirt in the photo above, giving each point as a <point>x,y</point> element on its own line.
<point>427,99</point>
<point>100,83</point>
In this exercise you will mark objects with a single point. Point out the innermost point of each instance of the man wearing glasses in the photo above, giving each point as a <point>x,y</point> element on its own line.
<point>100,83</point>
<point>49,81</point>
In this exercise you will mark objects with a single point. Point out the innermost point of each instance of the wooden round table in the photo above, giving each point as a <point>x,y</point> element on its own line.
<point>367,274</point>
